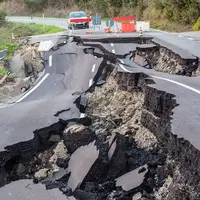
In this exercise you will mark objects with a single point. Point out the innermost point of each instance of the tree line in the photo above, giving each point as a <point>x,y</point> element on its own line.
<point>181,11</point>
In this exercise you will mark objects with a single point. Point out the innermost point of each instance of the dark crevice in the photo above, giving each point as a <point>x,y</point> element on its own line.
<point>61,111</point>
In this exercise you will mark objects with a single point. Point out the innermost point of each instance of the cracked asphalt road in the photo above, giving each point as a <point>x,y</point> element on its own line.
<point>69,73</point>
<point>69,70</point>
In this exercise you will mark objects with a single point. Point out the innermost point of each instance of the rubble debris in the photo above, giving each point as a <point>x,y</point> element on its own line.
<point>60,154</point>
<point>137,196</point>
<point>41,174</point>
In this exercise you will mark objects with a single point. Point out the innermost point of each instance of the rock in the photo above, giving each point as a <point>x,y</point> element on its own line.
<point>60,152</point>
<point>20,169</point>
<point>76,136</point>
<point>63,163</point>
<point>137,196</point>
<point>41,174</point>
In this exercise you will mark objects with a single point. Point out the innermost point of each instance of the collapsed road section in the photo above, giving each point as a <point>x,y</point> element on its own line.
<point>124,147</point>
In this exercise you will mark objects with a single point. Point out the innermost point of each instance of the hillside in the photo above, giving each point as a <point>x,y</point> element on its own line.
<point>170,15</point>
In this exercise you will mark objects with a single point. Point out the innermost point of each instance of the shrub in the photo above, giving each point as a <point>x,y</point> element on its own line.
<point>196,26</point>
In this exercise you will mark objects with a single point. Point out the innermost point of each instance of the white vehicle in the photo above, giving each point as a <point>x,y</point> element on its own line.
<point>77,15</point>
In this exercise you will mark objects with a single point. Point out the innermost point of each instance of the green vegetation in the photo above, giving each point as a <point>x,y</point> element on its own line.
<point>174,15</point>
<point>3,71</point>
<point>196,26</point>
<point>21,30</point>
<point>10,46</point>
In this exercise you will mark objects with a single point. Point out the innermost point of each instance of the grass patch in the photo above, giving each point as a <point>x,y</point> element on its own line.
<point>3,71</point>
<point>44,29</point>
<point>21,30</point>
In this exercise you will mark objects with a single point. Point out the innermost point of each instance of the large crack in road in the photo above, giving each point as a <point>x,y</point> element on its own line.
<point>123,147</point>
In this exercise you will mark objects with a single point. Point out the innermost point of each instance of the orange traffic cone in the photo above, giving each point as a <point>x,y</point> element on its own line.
<point>89,31</point>
<point>140,34</point>
<point>107,30</point>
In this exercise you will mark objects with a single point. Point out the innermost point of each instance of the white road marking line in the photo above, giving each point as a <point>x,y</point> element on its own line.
<point>82,115</point>
<point>34,88</point>
<point>90,82</point>
<point>190,38</point>
<point>113,50</point>
<point>93,67</point>
<point>169,80</point>
<point>180,35</point>
<point>50,60</point>
<point>178,83</point>
<point>112,44</point>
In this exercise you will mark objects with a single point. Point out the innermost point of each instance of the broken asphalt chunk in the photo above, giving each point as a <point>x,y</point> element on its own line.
<point>89,50</point>
<point>132,179</point>
<point>81,103</point>
<point>80,163</point>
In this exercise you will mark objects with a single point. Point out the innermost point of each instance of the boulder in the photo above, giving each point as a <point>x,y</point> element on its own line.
<point>60,152</point>
<point>76,136</point>
<point>41,174</point>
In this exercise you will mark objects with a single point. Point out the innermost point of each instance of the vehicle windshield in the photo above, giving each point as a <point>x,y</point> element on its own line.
<point>77,15</point>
